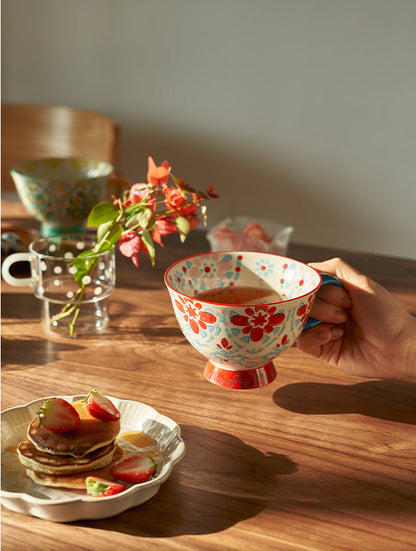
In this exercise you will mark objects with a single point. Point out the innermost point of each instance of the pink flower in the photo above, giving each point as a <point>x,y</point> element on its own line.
<point>130,244</point>
<point>176,201</point>
<point>165,225</point>
<point>158,175</point>
<point>138,192</point>
<point>193,221</point>
<point>258,321</point>
<point>174,197</point>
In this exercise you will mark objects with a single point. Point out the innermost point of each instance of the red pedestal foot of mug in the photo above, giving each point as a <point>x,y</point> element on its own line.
<point>245,379</point>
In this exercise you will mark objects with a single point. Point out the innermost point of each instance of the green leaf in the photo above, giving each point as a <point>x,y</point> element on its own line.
<point>146,218</point>
<point>174,178</point>
<point>183,227</point>
<point>104,246</point>
<point>108,233</point>
<point>83,254</point>
<point>84,265</point>
<point>132,209</point>
<point>102,212</point>
<point>150,246</point>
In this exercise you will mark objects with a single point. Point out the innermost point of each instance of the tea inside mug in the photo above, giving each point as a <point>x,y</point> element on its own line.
<point>241,294</point>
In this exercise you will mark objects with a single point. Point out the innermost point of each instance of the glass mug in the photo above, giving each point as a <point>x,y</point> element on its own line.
<point>71,305</point>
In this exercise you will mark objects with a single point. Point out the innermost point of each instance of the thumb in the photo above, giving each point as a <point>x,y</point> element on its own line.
<point>349,276</point>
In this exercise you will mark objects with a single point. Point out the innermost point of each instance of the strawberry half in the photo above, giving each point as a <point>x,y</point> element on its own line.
<point>101,407</point>
<point>136,468</point>
<point>58,415</point>
<point>100,487</point>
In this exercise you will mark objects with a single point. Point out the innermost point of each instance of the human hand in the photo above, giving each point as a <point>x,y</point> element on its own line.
<point>364,330</point>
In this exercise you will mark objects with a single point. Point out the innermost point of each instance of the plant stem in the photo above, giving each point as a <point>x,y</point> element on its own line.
<point>71,307</point>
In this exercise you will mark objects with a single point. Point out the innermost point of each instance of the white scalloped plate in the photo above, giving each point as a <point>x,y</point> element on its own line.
<point>21,494</point>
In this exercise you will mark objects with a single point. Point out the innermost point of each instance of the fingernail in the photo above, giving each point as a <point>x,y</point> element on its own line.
<point>340,316</point>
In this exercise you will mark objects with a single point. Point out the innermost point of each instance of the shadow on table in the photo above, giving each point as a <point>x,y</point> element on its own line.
<point>232,482</point>
<point>25,353</point>
<point>388,400</point>
<point>17,306</point>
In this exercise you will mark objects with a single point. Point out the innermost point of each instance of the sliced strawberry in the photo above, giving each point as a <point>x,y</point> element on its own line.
<point>58,415</point>
<point>101,407</point>
<point>100,487</point>
<point>136,468</point>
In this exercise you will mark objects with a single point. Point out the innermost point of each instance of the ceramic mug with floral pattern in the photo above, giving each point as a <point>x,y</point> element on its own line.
<point>241,310</point>
<point>60,192</point>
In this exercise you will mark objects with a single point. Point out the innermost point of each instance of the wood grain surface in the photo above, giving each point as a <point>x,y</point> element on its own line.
<point>317,460</point>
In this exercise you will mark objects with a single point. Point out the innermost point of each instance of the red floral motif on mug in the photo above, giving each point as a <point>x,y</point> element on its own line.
<point>259,320</point>
<point>303,311</point>
<point>193,315</point>
<point>283,341</point>
<point>225,344</point>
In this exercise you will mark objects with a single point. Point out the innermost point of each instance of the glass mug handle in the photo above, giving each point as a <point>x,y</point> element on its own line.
<point>8,263</point>
<point>326,279</point>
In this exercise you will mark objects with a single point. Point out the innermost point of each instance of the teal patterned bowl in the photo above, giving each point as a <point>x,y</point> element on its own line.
<point>60,192</point>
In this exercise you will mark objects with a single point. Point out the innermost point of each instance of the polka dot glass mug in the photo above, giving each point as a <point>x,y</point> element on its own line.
<point>241,310</point>
<point>53,281</point>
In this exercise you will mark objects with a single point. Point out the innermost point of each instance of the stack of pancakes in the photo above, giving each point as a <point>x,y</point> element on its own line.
<point>66,459</point>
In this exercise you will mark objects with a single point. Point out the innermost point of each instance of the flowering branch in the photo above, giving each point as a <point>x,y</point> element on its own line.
<point>146,213</point>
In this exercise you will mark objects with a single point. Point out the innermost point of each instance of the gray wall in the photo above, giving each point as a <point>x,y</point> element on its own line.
<point>298,110</point>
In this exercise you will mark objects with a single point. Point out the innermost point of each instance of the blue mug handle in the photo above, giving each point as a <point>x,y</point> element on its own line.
<point>326,279</point>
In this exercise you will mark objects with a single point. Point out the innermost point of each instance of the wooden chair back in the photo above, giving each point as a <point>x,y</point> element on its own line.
<point>40,131</point>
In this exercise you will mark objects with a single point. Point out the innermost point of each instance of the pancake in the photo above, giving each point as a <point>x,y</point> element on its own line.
<point>92,434</point>
<point>74,481</point>
<point>53,464</point>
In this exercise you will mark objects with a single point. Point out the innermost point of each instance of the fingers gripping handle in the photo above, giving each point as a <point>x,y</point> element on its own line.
<point>326,279</point>
<point>7,276</point>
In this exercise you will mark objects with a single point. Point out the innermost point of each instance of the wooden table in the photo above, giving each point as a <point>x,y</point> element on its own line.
<point>317,460</point>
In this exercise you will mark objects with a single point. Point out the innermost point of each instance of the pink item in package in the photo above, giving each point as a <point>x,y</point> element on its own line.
<point>248,234</point>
